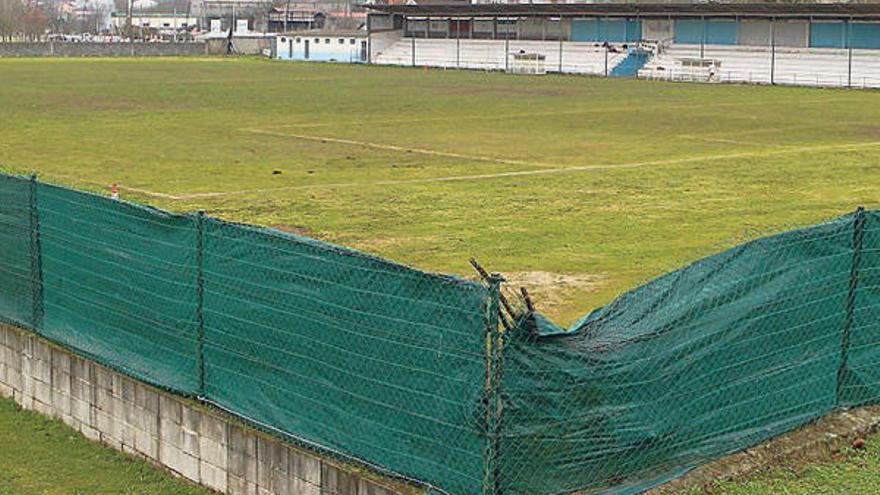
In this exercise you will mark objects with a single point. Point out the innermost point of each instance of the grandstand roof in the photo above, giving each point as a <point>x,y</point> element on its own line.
<point>835,10</point>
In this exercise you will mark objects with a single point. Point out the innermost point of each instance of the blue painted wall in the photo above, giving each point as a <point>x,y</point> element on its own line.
<point>828,34</point>
<point>864,35</point>
<point>695,31</point>
<point>721,32</point>
<point>617,30</point>
<point>688,31</point>
<point>832,34</point>
<point>584,30</point>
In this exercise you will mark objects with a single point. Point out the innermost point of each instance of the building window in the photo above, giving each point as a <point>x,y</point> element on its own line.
<point>341,41</point>
<point>327,40</point>
<point>166,24</point>
<point>183,24</point>
<point>317,41</point>
<point>297,40</point>
<point>283,39</point>
<point>352,41</point>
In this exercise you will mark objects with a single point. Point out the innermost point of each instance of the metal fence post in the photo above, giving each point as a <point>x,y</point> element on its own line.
<point>492,387</point>
<point>858,236</point>
<point>200,298</point>
<point>606,59</point>
<point>849,53</point>
<point>36,259</point>
<point>773,51</point>
<point>457,43</point>
<point>560,45</point>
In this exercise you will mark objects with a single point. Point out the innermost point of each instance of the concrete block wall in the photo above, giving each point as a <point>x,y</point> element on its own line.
<point>96,49</point>
<point>192,440</point>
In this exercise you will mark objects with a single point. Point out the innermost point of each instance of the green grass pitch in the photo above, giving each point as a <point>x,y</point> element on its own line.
<point>577,187</point>
<point>41,456</point>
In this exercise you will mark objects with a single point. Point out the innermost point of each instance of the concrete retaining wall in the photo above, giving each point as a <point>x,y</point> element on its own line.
<point>190,439</point>
<point>66,49</point>
<point>243,45</point>
<point>379,41</point>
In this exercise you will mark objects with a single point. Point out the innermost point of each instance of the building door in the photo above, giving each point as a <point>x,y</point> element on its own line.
<point>289,47</point>
<point>306,48</point>
<point>363,51</point>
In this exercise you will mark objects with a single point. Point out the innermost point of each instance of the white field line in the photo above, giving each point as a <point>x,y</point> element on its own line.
<point>77,180</point>
<point>617,109</point>
<point>392,147</point>
<point>152,193</point>
<point>528,173</point>
<point>733,141</point>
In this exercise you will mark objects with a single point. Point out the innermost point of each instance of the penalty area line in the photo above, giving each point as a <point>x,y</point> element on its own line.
<point>732,141</point>
<point>392,147</point>
<point>545,171</point>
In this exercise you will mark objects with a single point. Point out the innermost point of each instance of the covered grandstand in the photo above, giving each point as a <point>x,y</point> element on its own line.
<point>803,44</point>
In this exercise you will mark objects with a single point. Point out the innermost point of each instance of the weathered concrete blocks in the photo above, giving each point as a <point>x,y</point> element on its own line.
<point>241,460</point>
<point>214,451</point>
<point>336,481</point>
<point>199,443</point>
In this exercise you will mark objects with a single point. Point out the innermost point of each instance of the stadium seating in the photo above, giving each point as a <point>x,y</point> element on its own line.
<point>794,66</point>
<point>577,57</point>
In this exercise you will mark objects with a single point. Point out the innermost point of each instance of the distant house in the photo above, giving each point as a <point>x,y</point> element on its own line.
<point>163,16</point>
<point>154,20</point>
<point>223,15</point>
<point>295,19</point>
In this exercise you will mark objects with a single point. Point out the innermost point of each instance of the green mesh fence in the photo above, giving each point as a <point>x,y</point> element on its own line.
<point>119,284</point>
<point>353,353</point>
<point>16,259</point>
<point>860,382</point>
<point>705,360</point>
<point>410,373</point>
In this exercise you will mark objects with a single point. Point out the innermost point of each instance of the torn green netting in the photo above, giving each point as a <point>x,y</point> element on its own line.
<point>716,356</point>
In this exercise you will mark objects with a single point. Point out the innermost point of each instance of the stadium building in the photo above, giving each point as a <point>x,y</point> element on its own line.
<point>323,46</point>
<point>801,44</point>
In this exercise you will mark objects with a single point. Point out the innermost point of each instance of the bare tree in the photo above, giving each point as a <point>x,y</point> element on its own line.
<point>11,19</point>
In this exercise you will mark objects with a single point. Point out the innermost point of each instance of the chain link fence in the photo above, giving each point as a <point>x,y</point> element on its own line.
<point>358,357</point>
<point>714,357</point>
<point>456,385</point>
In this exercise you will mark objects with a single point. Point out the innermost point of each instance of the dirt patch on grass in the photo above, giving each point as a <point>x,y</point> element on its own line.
<point>294,229</point>
<point>820,440</point>
<point>550,291</point>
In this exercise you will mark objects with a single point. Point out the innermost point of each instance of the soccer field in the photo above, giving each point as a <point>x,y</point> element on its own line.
<point>578,188</point>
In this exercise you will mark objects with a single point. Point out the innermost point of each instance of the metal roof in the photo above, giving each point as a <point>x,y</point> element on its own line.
<point>836,10</point>
<point>325,33</point>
